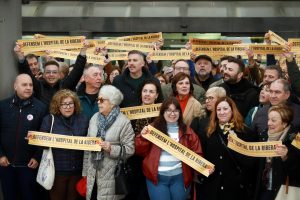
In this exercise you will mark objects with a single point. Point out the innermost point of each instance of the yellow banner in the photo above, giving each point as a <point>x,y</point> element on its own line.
<point>295,43</point>
<point>179,151</point>
<point>128,46</point>
<point>276,38</point>
<point>171,55</point>
<point>296,141</point>
<point>239,49</point>
<point>118,55</point>
<point>72,55</point>
<point>51,43</point>
<point>151,37</point>
<point>253,149</point>
<point>220,49</point>
<point>97,43</point>
<point>141,112</point>
<point>64,142</point>
<point>196,41</point>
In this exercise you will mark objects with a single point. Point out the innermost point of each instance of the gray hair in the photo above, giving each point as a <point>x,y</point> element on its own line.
<point>216,91</point>
<point>113,94</point>
<point>285,84</point>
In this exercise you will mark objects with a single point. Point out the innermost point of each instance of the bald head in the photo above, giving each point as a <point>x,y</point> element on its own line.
<point>23,86</point>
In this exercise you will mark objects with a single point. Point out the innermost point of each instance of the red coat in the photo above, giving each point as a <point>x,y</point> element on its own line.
<point>151,152</point>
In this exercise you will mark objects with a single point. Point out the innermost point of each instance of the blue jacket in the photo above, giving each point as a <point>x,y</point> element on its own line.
<point>17,117</point>
<point>88,108</point>
<point>66,160</point>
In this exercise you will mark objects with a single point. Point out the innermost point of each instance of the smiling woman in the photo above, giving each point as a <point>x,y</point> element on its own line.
<point>183,90</point>
<point>68,120</point>
<point>230,172</point>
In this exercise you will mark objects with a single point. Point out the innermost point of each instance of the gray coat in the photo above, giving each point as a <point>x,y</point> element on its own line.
<point>120,132</point>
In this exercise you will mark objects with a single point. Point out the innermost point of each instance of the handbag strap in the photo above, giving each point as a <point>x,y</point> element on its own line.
<point>122,153</point>
<point>52,122</point>
<point>287,182</point>
<point>230,155</point>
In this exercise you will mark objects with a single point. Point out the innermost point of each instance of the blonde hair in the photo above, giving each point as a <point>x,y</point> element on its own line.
<point>216,91</point>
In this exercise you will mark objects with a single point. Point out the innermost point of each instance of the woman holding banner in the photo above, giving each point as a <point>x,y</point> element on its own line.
<point>273,172</point>
<point>166,176</point>
<point>115,130</point>
<point>149,93</point>
<point>229,180</point>
<point>183,91</point>
<point>65,106</point>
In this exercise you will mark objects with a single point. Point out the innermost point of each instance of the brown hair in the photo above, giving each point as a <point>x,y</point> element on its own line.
<point>159,74</point>
<point>236,119</point>
<point>59,96</point>
<point>160,122</point>
<point>108,74</point>
<point>51,62</point>
<point>285,112</point>
<point>179,77</point>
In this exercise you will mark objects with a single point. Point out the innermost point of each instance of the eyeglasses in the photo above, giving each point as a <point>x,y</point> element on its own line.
<point>51,72</point>
<point>209,98</point>
<point>101,99</point>
<point>169,112</point>
<point>66,105</point>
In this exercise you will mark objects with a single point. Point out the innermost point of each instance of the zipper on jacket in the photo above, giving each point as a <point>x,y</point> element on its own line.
<point>17,135</point>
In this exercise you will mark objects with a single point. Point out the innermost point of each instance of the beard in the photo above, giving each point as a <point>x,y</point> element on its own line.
<point>229,78</point>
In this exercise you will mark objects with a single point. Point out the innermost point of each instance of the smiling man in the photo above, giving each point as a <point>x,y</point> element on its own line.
<point>46,88</point>
<point>128,82</point>
<point>279,94</point>
<point>243,93</point>
<point>18,160</point>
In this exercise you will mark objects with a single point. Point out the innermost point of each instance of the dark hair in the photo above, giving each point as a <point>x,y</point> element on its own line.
<point>160,122</point>
<point>179,77</point>
<point>108,74</point>
<point>236,119</point>
<point>226,58</point>
<point>51,62</point>
<point>159,74</point>
<point>239,62</point>
<point>30,56</point>
<point>158,90</point>
<point>276,68</point>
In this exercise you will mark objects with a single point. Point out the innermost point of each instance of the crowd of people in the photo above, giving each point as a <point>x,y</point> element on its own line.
<point>202,101</point>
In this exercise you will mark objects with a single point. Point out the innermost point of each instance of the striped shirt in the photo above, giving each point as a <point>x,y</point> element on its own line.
<point>168,164</point>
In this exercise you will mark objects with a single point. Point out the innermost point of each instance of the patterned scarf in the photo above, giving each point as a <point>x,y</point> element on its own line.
<point>103,124</point>
<point>227,128</point>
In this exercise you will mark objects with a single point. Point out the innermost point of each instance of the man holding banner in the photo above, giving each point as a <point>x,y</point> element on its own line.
<point>45,89</point>
<point>18,160</point>
<point>129,82</point>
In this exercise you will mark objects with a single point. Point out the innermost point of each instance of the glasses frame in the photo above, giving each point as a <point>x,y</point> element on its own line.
<point>67,105</point>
